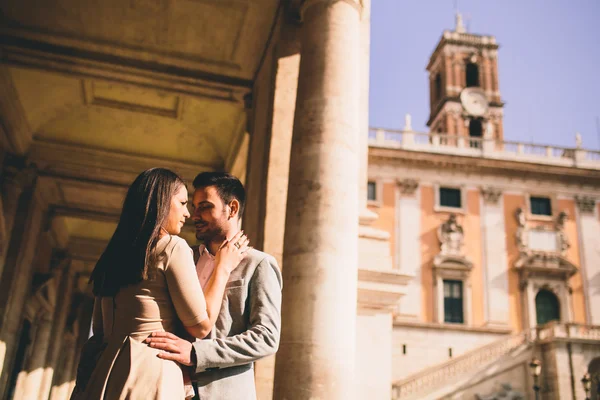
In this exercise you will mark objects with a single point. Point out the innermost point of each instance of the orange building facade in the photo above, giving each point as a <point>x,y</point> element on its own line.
<point>501,240</point>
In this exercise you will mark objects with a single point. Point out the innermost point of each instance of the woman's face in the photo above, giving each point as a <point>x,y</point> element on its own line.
<point>178,212</point>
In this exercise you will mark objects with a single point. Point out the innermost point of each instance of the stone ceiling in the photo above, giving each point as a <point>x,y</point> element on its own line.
<point>96,92</point>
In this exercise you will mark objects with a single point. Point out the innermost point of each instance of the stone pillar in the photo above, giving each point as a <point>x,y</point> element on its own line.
<point>287,61</point>
<point>17,275</point>
<point>588,234</point>
<point>14,180</point>
<point>487,67</point>
<point>365,47</point>
<point>60,319</point>
<point>37,361</point>
<point>495,265</point>
<point>457,63</point>
<point>408,243</point>
<point>60,390</point>
<point>316,355</point>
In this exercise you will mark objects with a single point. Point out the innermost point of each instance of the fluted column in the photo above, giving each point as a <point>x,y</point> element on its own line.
<point>317,350</point>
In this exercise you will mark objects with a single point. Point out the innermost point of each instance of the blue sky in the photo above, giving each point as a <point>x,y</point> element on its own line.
<point>549,63</point>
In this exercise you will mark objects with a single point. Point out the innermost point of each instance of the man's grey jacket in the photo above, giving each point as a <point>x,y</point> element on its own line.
<point>247,329</point>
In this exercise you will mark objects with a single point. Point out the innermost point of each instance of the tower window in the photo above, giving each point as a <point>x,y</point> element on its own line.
<point>546,307</point>
<point>475,131</point>
<point>540,206</point>
<point>453,302</point>
<point>472,75</point>
<point>437,87</point>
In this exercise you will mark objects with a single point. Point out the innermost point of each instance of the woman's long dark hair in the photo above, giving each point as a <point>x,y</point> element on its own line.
<point>128,257</point>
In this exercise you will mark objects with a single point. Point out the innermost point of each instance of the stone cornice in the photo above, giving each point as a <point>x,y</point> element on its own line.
<point>400,323</point>
<point>480,165</point>
<point>380,290</point>
<point>477,41</point>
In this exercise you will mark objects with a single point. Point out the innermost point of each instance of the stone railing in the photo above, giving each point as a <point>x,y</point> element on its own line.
<point>482,147</point>
<point>554,330</point>
<point>418,385</point>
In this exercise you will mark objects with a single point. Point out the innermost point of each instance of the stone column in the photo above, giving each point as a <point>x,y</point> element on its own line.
<point>37,361</point>
<point>60,319</point>
<point>16,277</point>
<point>457,63</point>
<point>316,355</point>
<point>495,265</point>
<point>14,180</point>
<point>588,234</point>
<point>365,47</point>
<point>408,244</point>
<point>60,390</point>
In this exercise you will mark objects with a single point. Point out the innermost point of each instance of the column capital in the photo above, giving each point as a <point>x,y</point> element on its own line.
<point>491,195</point>
<point>306,4</point>
<point>586,204</point>
<point>408,186</point>
<point>17,175</point>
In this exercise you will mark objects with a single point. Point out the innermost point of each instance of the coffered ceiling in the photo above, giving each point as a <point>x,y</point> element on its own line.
<point>95,92</point>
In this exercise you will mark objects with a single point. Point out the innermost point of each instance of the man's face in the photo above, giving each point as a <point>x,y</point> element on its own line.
<point>210,215</point>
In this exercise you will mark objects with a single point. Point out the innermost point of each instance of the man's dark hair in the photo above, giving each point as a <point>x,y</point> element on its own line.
<point>228,186</point>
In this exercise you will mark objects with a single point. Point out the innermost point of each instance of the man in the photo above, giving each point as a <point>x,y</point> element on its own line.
<point>248,325</point>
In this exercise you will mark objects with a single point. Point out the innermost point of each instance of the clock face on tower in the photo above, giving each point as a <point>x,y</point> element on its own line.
<point>474,101</point>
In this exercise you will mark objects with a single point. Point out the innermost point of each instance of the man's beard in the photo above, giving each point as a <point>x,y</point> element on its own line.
<point>209,235</point>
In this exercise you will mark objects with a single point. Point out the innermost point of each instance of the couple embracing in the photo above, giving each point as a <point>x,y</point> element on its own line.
<point>168,318</point>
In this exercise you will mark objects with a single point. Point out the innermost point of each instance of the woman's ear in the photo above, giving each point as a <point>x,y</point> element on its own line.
<point>234,208</point>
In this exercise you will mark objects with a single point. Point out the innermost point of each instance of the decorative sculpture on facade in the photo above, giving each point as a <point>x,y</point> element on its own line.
<point>505,393</point>
<point>521,234</point>
<point>562,239</point>
<point>542,239</point>
<point>451,236</point>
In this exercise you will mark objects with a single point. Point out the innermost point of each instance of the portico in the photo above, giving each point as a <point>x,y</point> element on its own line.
<point>275,92</point>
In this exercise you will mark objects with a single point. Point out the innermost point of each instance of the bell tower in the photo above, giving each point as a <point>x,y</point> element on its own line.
<point>463,85</point>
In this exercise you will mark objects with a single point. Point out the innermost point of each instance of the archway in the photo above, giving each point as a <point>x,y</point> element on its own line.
<point>547,307</point>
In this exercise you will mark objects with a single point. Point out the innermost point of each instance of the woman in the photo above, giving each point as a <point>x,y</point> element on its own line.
<point>146,281</point>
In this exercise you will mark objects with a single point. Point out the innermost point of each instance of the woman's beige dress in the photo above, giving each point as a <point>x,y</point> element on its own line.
<point>128,368</point>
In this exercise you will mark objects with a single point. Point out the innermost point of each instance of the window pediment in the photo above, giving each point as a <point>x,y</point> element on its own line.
<point>545,264</point>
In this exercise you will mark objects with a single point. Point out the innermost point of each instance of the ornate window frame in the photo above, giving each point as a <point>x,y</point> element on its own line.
<point>547,271</point>
<point>456,210</point>
<point>537,217</point>
<point>457,268</point>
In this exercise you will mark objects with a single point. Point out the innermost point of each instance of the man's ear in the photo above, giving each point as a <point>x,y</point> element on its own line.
<point>234,207</point>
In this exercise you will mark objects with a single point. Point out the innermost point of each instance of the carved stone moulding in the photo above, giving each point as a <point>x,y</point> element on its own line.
<point>547,265</point>
<point>586,204</point>
<point>408,186</point>
<point>452,267</point>
<point>491,195</point>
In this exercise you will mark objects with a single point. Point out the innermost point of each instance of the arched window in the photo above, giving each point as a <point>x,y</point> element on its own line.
<point>437,87</point>
<point>594,371</point>
<point>547,307</point>
<point>472,75</point>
